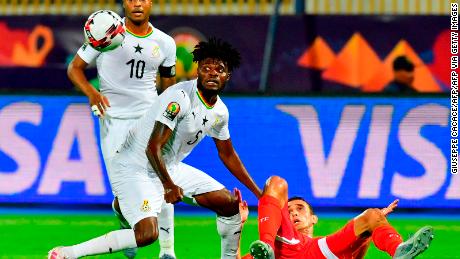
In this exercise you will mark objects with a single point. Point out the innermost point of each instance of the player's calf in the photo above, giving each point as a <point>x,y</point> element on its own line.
<point>128,252</point>
<point>228,219</point>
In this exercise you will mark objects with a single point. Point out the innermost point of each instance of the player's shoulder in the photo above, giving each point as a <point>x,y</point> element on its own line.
<point>163,36</point>
<point>221,106</point>
<point>181,91</point>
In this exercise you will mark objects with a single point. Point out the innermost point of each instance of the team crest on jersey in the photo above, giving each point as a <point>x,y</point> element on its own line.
<point>145,206</point>
<point>156,52</point>
<point>216,121</point>
<point>171,111</point>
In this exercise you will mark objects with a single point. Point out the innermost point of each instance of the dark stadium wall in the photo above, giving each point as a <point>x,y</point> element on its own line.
<point>312,54</point>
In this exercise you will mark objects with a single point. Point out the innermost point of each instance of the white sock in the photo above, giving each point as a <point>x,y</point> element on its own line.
<point>229,229</point>
<point>166,229</point>
<point>111,242</point>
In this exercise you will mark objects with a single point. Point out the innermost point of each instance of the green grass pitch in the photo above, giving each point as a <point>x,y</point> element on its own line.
<point>31,236</point>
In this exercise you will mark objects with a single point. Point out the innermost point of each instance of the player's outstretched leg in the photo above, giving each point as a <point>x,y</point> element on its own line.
<point>261,250</point>
<point>111,242</point>
<point>166,231</point>
<point>415,245</point>
<point>145,232</point>
<point>128,252</point>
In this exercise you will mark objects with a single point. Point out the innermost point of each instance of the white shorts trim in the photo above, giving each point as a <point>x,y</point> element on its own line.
<point>325,249</point>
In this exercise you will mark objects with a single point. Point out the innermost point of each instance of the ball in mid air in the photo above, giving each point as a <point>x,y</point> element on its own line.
<point>104,30</point>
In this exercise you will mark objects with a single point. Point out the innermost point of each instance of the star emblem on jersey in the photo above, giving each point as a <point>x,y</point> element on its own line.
<point>204,121</point>
<point>138,48</point>
<point>171,111</point>
<point>145,206</point>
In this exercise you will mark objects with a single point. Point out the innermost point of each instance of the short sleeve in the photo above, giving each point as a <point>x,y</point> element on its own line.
<point>173,104</point>
<point>219,129</point>
<point>170,52</point>
<point>88,53</point>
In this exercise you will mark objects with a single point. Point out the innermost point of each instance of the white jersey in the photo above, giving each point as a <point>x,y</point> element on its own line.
<point>127,74</point>
<point>185,112</point>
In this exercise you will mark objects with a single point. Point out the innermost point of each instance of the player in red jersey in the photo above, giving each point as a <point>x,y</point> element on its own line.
<point>304,219</point>
<point>280,237</point>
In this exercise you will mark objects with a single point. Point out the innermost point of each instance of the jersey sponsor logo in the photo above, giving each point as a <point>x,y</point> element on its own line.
<point>171,111</point>
<point>145,206</point>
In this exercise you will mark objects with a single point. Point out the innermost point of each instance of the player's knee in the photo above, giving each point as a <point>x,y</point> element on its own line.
<point>373,218</point>
<point>230,207</point>
<point>276,186</point>
<point>146,232</point>
<point>145,237</point>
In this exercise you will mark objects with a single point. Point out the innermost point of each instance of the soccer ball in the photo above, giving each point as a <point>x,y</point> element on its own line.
<point>104,30</point>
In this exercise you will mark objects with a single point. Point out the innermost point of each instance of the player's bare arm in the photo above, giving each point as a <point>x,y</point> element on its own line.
<point>233,163</point>
<point>160,135</point>
<point>76,74</point>
<point>167,78</point>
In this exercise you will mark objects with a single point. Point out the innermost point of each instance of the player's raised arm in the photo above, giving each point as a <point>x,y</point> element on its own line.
<point>160,135</point>
<point>233,163</point>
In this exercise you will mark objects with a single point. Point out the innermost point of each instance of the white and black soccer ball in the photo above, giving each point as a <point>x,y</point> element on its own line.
<point>104,30</point>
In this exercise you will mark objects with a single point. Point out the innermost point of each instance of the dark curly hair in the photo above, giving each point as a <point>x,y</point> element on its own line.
<point>216,48</point>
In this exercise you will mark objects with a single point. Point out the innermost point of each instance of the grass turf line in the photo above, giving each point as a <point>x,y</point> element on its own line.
<point>31,236</point>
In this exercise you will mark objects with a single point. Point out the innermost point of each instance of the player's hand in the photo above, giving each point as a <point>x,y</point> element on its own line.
<point>173,193</point>
<point>390,207</point>
<point>243,205</point>
<point>98,103</point>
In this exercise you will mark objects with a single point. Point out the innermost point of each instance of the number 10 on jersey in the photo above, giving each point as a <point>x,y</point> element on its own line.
<point>140,65</point>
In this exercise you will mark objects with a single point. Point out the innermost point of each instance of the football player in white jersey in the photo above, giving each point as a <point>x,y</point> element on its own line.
<point>149,169</point>
<point>128,87</point>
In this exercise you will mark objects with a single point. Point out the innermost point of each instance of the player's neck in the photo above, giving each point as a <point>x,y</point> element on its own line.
<point>307,231</point>
<point>209,97</point>
<point>141,29</point>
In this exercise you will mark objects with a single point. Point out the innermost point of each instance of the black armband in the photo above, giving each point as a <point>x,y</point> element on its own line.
<point>167,71</point>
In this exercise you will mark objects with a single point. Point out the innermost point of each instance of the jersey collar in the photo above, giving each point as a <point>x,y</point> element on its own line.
<point>137,35</point>
<point>203,101</point>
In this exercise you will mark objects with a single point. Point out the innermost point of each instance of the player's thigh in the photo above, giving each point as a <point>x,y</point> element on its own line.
<point>113,133</point>
<point>340,240</point>
<point>139,196</point>
<point>194,181</point>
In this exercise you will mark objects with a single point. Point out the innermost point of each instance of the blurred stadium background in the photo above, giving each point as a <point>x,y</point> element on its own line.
<point>307,104</point>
